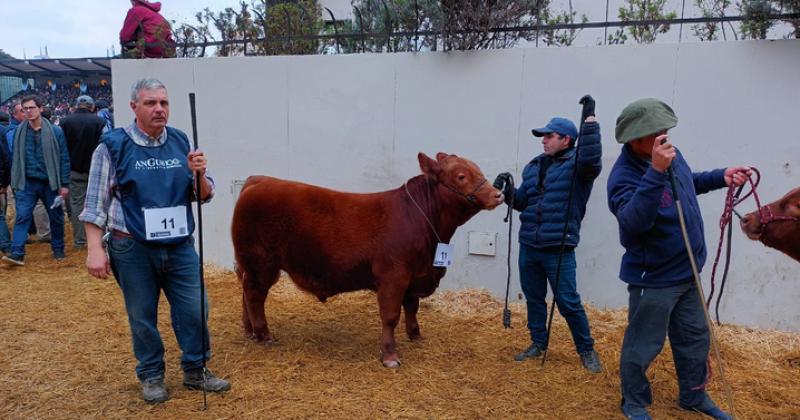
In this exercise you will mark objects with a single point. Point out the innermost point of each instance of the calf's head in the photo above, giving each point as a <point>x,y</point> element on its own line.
<point>777,225</point>
<point>462,177</point>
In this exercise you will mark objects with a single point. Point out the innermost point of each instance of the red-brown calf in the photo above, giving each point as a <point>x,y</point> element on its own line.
<point>777,225</point>
<point>331,242</point>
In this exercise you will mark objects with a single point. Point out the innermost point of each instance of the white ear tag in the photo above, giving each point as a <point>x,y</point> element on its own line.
<point>444,255</point>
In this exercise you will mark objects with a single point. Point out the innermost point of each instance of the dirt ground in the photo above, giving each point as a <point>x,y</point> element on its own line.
<point>66,353</point>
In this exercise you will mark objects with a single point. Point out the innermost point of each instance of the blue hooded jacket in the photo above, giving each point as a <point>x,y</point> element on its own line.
<point>9,135</point>
<point>544,210</point>
<point>641,199</point>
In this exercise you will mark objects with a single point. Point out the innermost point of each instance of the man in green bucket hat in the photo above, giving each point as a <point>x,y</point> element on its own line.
<point>663,300</point>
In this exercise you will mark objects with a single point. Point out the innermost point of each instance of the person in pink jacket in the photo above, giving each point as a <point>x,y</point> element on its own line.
<point>145,33</point>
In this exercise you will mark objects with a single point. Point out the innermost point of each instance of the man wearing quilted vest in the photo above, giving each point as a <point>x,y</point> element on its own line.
<point>542,200</point>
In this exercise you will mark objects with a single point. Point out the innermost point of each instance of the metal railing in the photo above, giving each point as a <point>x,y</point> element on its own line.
<point>350,35</point>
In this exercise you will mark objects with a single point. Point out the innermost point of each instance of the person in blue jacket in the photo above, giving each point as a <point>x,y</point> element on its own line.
<point>17,117</point>
<point>6,133</point>
<point>663,300</point>
<point>5,180</point>
<point>542,200</point>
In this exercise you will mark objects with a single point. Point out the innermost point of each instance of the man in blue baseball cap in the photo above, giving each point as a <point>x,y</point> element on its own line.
<point>561,126</point>
<point>542,200</point>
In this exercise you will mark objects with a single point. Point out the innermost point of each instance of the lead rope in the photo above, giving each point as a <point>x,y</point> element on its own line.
<point>510,220</point>
<point>422,212</point>
<point>731,201</point>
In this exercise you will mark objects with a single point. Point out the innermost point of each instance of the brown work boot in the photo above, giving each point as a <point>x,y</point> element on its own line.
<point>193,379</point>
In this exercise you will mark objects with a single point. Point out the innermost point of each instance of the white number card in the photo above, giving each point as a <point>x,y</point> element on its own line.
<point>444,255</point>
<point>165,222</point>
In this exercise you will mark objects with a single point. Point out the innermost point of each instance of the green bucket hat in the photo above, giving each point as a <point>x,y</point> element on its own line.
<point>642,118</point>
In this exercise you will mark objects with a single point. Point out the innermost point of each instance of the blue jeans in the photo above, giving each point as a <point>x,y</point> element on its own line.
<point>142,272</point>
<point>654,313</point>
<point>536,268</point>
<point>25,200</point>
<point>5,235</point>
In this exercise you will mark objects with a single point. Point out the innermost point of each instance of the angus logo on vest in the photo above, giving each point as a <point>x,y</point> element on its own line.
<point>156,164</point>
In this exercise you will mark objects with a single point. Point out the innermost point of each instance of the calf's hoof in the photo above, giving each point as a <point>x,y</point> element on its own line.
<point>268,342</point>
<point>264,340</point>
<point>391,361</point>
<point>391,364</point>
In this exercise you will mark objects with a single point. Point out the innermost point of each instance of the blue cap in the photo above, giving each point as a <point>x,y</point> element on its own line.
<point>558,125</point>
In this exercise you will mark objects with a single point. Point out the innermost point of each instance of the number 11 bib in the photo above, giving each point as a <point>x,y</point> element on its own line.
<point>166,222</point>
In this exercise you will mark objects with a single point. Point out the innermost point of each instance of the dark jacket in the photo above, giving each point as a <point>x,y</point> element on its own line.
<point>641,199</point>
<point>3,143</point>
<point>82,130</point>
<point>544,207</point>
<point>5,161</point>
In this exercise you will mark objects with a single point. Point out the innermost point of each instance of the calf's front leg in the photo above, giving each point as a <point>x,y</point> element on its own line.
<point>389,300</point>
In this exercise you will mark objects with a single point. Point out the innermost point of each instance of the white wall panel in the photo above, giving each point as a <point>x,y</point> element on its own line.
<point>357,122</point>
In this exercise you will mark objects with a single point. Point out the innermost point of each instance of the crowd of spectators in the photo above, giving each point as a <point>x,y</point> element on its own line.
<point>61,102</point>
<point>65,116</point>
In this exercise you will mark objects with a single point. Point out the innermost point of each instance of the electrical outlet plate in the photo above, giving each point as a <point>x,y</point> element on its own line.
<point>236,188</point>
<point>482,243</point>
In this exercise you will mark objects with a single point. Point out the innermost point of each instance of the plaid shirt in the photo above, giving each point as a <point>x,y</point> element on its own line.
<point>101,207</point>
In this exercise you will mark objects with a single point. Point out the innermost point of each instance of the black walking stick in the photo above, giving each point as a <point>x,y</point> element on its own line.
<point>505,183</point>
<point>197,182</point>
<point>699,286</point>
<point>588,109</point>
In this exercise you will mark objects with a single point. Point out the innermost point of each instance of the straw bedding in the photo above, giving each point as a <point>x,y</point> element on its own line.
<point>66,354</point>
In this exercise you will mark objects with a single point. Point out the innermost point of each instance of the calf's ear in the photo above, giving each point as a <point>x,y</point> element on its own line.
<point>429,166</point>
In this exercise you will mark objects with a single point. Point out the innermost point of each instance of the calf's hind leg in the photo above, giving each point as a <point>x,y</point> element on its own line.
<point>410,308</point>
<point>256,283</point>
<point>248,328</point>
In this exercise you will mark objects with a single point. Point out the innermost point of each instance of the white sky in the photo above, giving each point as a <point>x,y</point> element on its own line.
<point>78,28</point>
